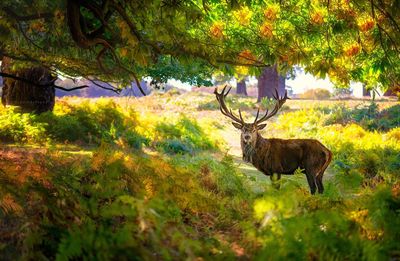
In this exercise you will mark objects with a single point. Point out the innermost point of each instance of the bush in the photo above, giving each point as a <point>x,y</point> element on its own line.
<point>183,136</point>
<point>367,116</point>
<point>175,146</point>
<point>117,205</point>
<point>269,103</point>
<point>21,127</point>
<point>85,123</point>
<point>316,94</point>
<point>235,103</point>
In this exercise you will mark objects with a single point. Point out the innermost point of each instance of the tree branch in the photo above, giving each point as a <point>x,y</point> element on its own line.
<point>117,91</point>
<point>387,14</point>
<point>71,89</point>
<point>27,17</point>
<point>15,77</point>
<point>26,36</point>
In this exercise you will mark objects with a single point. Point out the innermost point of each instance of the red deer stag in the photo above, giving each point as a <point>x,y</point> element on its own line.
<point>277,155</point>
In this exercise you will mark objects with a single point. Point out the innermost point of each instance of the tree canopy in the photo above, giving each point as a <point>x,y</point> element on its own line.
<point>123,40</point>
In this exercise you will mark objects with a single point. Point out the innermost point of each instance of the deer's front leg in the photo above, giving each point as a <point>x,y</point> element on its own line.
<point>275,180</point>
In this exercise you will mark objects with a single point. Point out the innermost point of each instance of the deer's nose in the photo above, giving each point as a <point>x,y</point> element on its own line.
<point>247,137</point>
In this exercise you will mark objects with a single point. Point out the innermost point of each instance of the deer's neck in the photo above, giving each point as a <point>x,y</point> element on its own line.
<point>250,151</point>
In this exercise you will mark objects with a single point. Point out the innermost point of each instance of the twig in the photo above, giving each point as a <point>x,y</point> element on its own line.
<point>105,88</point>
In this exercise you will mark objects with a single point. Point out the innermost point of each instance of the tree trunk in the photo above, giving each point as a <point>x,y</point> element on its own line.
<point>241,87</point>
<point>268,81</point>
<point>30,97</point>
<point>366,92</point>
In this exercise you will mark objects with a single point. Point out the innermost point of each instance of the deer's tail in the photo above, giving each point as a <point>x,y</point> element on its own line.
<point>329,156</point>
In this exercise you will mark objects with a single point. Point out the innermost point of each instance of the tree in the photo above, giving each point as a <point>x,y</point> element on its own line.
<point>241,87</point>
<point>268,82</point>
<point>120,41</point>
<point>37,94</point>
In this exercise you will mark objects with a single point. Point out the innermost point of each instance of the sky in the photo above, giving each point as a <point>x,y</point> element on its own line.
<point>302,82</point>
<point>305,81</point>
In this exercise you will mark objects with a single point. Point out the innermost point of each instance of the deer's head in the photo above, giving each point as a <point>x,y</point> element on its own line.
<point>249,130</point>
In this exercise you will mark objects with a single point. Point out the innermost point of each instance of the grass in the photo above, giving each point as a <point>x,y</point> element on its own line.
<point>154,179</point>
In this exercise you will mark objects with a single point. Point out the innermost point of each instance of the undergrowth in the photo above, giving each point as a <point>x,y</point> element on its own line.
<point>152,186</point>
<point>119,205</point>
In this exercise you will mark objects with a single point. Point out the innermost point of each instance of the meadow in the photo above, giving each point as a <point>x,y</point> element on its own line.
<point>161,178</point>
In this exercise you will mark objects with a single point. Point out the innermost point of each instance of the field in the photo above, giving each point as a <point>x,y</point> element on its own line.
<point>161,178</point>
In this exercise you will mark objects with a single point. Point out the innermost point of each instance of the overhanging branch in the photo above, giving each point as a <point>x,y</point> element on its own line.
<point>117,91</point>
<point>15,77</point>
<point>23,18</point>
<point>49,84</point>
<point>71,89</point>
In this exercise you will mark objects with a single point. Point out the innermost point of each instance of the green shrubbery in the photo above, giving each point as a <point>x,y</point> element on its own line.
<point>316,94</point>
<point>368,116</point>
<point>185,199</point>
<point>116,205</point>
<point>103,121</point>
<point>85,123</point>
<point>235,103</point>
<point>183,136</point>
<point>20,127</point>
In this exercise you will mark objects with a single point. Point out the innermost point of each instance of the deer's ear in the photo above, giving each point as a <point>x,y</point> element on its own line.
<point>261,126</point>
<point>237,125</point>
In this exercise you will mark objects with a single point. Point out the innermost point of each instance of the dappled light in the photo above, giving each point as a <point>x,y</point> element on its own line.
<point>200,130</point>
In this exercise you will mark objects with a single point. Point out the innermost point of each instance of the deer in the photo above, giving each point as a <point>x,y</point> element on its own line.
<point>278,156</point>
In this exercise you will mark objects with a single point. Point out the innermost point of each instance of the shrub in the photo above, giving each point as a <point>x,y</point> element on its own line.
<point>235,103</point>
<point>21,127</point>
<point>64,127</point>
<point>316,94</point>
<point>116,205</point>
<point>368,116</point>
<point>175,146</point>
<point>394,134</point>
<point>85,123</point>
<point>183,136</point>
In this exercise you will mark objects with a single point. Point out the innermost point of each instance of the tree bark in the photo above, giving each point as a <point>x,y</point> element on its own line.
<point>28,96</point>
<point>241,87</point>
<point>366,92</point>
<point>268,82</point>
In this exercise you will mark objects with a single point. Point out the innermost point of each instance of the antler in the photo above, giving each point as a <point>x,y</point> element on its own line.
<point>278,105</point>
<point>224,109</point>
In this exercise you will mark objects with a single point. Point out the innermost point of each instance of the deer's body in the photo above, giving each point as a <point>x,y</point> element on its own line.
<point>284,156</point>
<point>278,156</point>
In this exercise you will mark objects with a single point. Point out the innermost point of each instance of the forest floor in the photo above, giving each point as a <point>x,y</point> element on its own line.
<point>162,177</point>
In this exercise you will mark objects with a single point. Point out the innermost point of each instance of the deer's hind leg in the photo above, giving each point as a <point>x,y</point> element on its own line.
<point>318,179</point>
<point>311,182</point>
<point>321,172</point>
<point>320,186</point>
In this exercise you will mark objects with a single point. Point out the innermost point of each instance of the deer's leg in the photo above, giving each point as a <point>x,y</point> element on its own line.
<point>321,173</point>
<point>318,179</point>
<point>320,186</point>
<point>275,180</point>
<point>311,182</point>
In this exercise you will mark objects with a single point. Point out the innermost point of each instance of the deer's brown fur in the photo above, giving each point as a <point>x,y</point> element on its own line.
<point>285,156</point>
<point>279,156</point>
